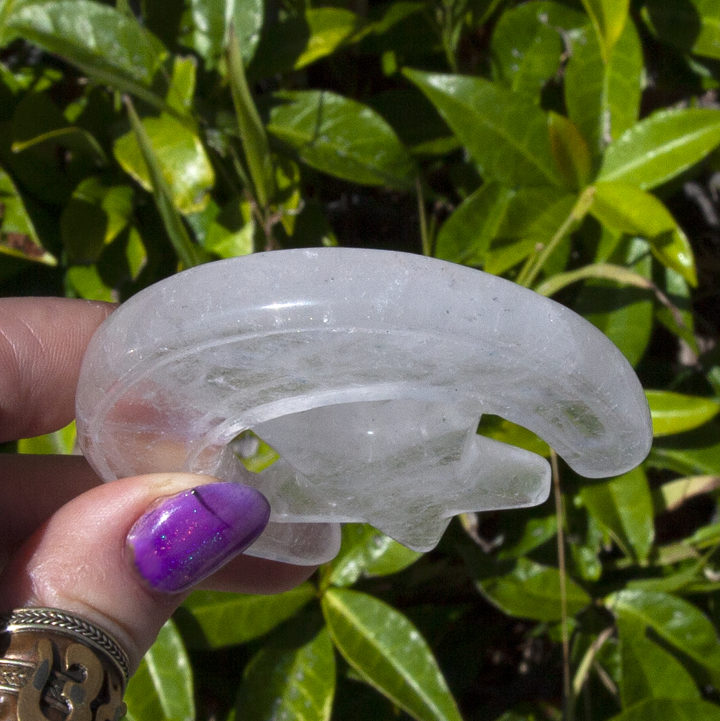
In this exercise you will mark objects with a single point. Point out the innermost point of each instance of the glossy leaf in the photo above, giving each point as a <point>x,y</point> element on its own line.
<point>136,54</point>
<point>181,157</point>
<point>94,217</point>
<point>341,137</point>
<point>661,146</point>
<point>18,236</point>
<point>570,151</point>
<point>466,235</point>
<point>677,413</point>
<point>226,619</point>
<point>388,652</point>
<point>608,18</point>
<point>527,44</point>
<point>367,552</point>
<point>623,507</point>
<point>162,687</point>
<point>250,127</point>
<point>691,25</point>
<point>299,40</point>
<point>603,98</point>
<point>284,681</point>
<point>648,671</point>
<point>530,590</point>
<point>507,138</point>
<point>669,709</point>
<point>211,22</point>
<point>627,209</point>
<point>677,622</point>
<point>616,298</point>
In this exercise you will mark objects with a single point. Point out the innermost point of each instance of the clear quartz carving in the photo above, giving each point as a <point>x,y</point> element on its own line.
<point>368,372</point>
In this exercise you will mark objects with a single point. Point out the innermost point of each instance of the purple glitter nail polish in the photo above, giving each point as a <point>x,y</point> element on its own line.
<point>190,535</point>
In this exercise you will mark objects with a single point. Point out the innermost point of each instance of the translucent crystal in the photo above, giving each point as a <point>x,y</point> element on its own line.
<point>368,372</point>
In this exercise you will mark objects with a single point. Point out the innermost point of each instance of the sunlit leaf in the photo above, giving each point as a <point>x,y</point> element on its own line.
<point>289,681</point>
<point>627,209</point>
<point>299,40</point>
<point>82,32</point>
<point>18,236</point>
<point>506,137</point>
<point>603,98</point>
<point>677,413</point>
<point>661,146</point>
<point>677,622</point>
<point>59,442</point>
<point>527,44</point>
<point>341,137</point>
<point>211,21</point>
<point>162,687</point>
<point>367,552</point>
<point>608,18</point>
<point>226,619</point>
<point>389,653</point>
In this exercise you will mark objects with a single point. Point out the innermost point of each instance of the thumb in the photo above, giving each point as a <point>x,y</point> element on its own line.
<point>122,555</point>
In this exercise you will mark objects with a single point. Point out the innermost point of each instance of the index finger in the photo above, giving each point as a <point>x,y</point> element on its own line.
<point>42,342</point>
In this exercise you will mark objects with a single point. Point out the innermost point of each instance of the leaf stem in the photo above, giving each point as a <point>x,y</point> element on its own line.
<point>530,272</point>
<point>568,697</point>
<point>422,216</point>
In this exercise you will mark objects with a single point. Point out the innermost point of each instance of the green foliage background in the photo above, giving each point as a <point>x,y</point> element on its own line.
<point>569,146</point>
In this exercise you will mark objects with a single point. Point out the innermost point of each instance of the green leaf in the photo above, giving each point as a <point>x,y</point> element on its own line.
<point>627,209</point>
<point>466,235</point>
<point>529,590</point>
<point>225,619</point>
<point>506,137</point>
<point>389,653</point>
<point>210,26</point>
<point>284,681</point>
<point>692,26</point>
<point>84,281</point>
<point>527,44</point>
<point>18,236</point>
<point>181,158</point>
<point>677,622</point>
<point>367,552</point>
<point>59,442</point>
<point>341,137</point>
<point>661,146</point>
<point>603,98</point>
<point>677,413</point>
<point>162,687</point>
<point>108,44</point>
<point>94,217</point>
<point>696,451</point>
<point>623,507</point>
<point>669,709</point>
<point>250,127</point>
<point>145,164</point>
<point>608,18</point>
<point>648,671</point>
<point>299,40</point>
<point>570,151</point>
<point>617,299</point>
<point>673,494</point>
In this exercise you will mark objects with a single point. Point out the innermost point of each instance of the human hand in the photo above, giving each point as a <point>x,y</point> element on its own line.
<point>95,550</point>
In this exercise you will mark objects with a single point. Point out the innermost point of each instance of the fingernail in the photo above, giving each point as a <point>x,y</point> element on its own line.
<point>188,536</point>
